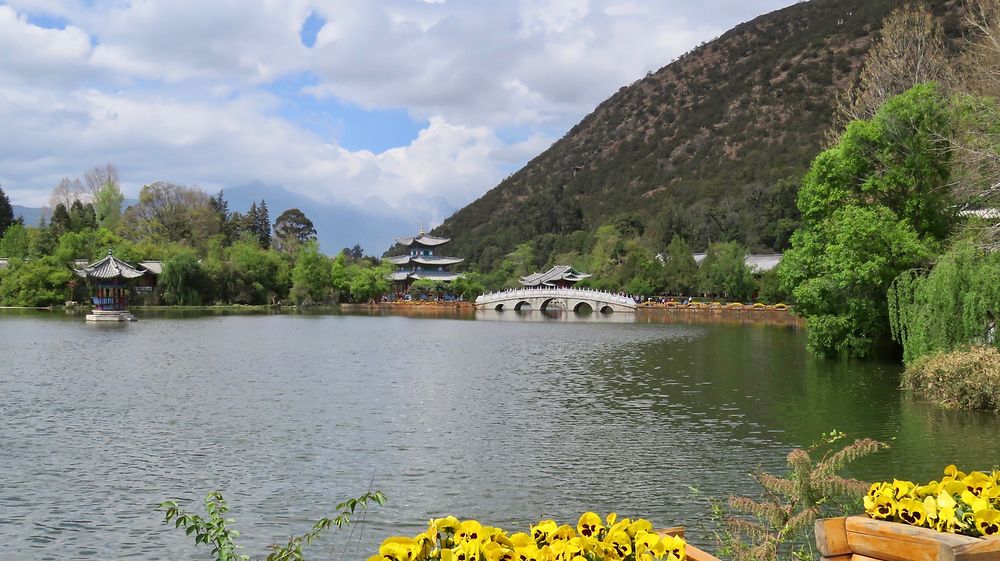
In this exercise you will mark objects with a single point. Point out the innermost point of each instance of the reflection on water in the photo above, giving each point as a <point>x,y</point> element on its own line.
<point>553,316</point>
<point>507,421</point>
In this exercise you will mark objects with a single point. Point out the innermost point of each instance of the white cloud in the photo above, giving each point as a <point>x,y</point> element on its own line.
<point>180,90</point>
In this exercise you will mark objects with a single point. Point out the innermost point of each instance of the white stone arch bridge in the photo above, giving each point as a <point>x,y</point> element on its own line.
<point>569,299</point>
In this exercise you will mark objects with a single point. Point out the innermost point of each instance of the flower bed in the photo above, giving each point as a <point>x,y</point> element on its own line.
<point>957,518</point>
<point>593,539</point>
<point>960,503</point>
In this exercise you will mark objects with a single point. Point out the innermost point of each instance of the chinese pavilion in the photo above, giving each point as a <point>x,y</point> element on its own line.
<point>110,280</point>
<point>560,276</point>
<point>422,262</point>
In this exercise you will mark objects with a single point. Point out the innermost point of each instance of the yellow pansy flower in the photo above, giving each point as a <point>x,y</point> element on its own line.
<point>645,541</point>
<point>977,483</point>
<point>543,531</point>
<point>446,524</point>
<point>883,508</point>
<point>493,551</point>
<point>952,472</point>
<point>564,550</point>
<point>564,532</point>
<point>618,544</point>
<point>911,511</point>
<point>988,522</point>
<point>901,489</point>
<point>520,539</point>
<point>528,552</point>
<point>469,531</point>
<point>640,525</point>
<point>612,517</point>
<point>675,548</point>
<point>589,525</point>
<point>398,549</point>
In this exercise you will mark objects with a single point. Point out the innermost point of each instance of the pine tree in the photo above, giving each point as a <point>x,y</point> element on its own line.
<point>263,226</point>
<point>6,212</point>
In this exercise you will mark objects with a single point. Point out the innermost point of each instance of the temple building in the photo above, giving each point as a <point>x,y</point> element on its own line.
<point>422,262</point>
<point>110,280</point>
<point>560,276</point>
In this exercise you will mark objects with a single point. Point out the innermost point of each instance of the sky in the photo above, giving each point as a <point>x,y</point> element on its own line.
<point>402,104</point>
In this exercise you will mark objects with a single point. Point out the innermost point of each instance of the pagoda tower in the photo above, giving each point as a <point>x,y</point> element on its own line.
<point>422,261</point>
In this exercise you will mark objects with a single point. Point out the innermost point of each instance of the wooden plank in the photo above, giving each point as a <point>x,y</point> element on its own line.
<point>857,557</point>
<point>831,537</point>
<point>888,541</point>
<point>695,554</point>
<point>672,531</point>
<point>984,550</point>
<point>904,532</point>
<point>837,558</point>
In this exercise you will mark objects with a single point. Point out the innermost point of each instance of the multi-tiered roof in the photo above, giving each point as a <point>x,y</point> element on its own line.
<point>560,276</point>
<point>422,261</point>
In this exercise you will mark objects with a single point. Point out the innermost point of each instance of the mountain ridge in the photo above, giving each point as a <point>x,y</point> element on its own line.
<point>711,146</point>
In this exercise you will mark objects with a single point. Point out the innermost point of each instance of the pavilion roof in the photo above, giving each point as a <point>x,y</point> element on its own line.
<point>422,239</point>
<point>109,268</point>
<point>424,260</point>
<point>557,273</point>
<point>154,267</point>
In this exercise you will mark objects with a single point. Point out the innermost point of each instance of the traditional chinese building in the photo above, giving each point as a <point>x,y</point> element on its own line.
<point>560,276</point>
<point>423,261</point>
<point>110,280</point>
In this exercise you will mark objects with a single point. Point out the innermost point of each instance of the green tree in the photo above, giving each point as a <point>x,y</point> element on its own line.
<point>182,279</point>
<point>468,286</point>
<point>35,282</point>
<point>60,222</point>
<point>15,242</point>
<point>82,216</point>
<point>724,272</point>
<point>292,229</point>
<point>108,206</point>
<point>840,271</point>
<point>680,272</point>
<point>340,276</point>
<point>259,276</point>
<point>311,276</point>
<point>6,212</point>
<point>957,304</point>
<point>872,206</point>
<point>172,213</point>
<point>369,283</point>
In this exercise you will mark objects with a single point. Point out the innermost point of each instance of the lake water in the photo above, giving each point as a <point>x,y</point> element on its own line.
<point>503,417</point>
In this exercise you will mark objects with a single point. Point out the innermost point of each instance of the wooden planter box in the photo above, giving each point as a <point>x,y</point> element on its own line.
<point>859,538</point>
<point>693,553</point>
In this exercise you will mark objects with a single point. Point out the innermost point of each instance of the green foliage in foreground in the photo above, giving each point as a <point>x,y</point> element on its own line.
<point>955,305</point>
<point>779,523</point>
<point>215,529</point>
<point>966,378</point>
<point>873,206</point>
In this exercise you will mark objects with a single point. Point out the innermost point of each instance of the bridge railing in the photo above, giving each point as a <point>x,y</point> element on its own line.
<point>579,293</point>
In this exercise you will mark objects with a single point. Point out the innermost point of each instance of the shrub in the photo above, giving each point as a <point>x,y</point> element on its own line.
<point>964,379</point>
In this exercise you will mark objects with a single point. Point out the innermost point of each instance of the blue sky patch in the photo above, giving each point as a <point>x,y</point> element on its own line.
<point>47,21</point>
<point>310,29</point>
<point>346,124</point>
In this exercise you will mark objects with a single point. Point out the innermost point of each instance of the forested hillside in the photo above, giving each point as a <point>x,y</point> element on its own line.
<point>711,147</point>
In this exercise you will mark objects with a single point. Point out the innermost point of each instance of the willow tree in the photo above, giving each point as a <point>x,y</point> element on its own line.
<point>954,305</point>
<point>873,206</point>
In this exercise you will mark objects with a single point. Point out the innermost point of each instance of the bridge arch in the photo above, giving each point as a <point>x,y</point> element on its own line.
<point>583,308</point>
<point>548,298</point>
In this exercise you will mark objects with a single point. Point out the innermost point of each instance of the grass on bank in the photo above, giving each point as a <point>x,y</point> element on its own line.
<point>967,378</point>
